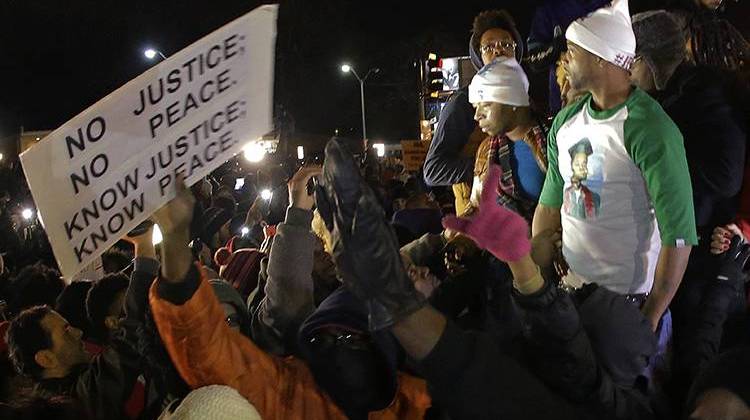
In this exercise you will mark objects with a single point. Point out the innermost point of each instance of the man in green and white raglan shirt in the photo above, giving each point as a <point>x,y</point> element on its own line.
<point>618,182</point>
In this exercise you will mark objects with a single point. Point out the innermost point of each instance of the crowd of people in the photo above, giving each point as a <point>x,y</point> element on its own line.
<point>584,259</point>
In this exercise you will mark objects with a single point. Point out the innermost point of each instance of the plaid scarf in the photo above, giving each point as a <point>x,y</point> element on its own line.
<point>500,153</point>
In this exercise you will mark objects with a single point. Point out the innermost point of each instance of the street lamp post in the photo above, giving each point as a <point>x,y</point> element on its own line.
<point>150,53</point>
<point>348,69</point>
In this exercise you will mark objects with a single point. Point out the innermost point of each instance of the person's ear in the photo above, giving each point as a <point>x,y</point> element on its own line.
<point>46,359</point>
<point>111,322</point>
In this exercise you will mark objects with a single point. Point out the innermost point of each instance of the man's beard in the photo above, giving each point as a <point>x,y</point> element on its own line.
<point>576,83</point>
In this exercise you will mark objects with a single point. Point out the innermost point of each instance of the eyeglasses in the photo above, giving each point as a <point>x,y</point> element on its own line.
<point>498,47</point>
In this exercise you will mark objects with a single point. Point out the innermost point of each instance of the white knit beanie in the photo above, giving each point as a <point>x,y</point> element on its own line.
<point>214,402</point>
<point>607,33</point>
<point>503,81</point>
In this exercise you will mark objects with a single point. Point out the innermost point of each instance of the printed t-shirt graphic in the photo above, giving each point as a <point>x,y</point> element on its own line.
<point>620,172</point>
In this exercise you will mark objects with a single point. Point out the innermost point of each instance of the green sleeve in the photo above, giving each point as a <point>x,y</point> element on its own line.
<point>655,144</point>
<point>552,191</point>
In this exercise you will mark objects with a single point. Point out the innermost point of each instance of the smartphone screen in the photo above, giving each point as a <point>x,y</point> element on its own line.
<point>239,183</point>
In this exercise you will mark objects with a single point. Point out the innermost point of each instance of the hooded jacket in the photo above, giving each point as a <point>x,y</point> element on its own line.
<point>447,161</point>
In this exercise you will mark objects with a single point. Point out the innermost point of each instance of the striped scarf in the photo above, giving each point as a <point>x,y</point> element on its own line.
<point>508,194</point>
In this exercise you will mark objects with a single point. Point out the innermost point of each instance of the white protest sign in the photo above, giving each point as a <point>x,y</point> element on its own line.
<point>109,168</point>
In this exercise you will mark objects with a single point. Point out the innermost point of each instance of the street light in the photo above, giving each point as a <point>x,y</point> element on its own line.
<point>349,69</point>
<point>27,214</point>
<point>254,151</point>
<point>379,149</point>
<point>150,53</point>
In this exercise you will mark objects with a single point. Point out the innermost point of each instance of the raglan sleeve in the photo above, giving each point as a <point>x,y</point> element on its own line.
<point>656,146</point>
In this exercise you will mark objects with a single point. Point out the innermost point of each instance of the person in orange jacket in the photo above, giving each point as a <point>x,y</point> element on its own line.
<point>206,351</point>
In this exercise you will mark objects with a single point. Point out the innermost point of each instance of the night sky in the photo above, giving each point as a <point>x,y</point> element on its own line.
<point>57,57</point>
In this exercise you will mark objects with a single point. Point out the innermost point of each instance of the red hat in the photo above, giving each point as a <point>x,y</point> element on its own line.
<point>240,268</point>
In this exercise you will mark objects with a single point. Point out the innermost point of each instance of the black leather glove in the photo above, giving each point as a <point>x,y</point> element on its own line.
<point>364,246</point>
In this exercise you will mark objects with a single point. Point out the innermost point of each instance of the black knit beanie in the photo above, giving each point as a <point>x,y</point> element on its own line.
<point>660,40</point>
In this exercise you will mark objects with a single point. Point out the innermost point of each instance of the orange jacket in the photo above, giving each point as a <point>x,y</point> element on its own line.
<point>206,351</point>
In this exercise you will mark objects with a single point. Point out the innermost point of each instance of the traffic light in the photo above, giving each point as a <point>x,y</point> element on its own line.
<point>425,129</point>
<point>434,76</point>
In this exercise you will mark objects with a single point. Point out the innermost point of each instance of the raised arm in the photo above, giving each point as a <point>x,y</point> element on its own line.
<point>289,290</point>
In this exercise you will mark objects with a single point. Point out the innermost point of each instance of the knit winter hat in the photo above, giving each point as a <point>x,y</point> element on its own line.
<point>607,33</point>
<point>240,268</point>
<point>503,81</point>
<point>217,402</point>
<point>660,41</point>
<point>225,293</point>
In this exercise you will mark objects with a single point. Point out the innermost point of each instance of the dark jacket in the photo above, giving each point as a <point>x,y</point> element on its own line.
<point>711,304</point>
<point>104,385</point>
<point>592,352</point>
<point>547,16</point>
<point>162,382</point>
<point>471,377</point>
<point>714,132</point>
<point>445,165</point>
<point>464,298</point>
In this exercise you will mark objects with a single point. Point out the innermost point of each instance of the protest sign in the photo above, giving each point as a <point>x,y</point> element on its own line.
<point>109,168</point>
<point>414,153</point>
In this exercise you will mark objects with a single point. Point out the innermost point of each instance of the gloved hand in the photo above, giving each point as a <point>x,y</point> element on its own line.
<point>364,246</point>
<point>498,230</point>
